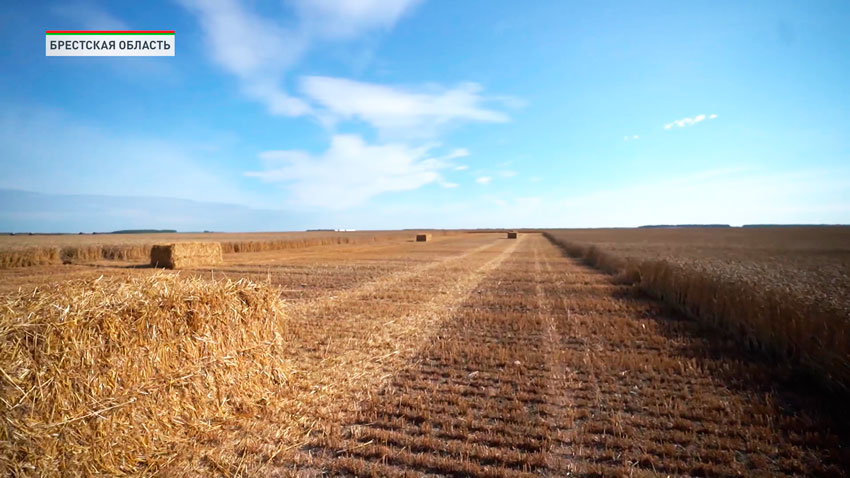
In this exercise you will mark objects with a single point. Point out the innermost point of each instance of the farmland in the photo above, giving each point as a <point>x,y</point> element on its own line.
<point>466,355</point>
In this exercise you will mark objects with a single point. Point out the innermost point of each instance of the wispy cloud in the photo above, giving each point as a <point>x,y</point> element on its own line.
<point>462,167</point>
<point>39,165</point>
<point>254,49</point>
<point>457,153</point>
<point>631,138</point>
<point>349,172</point>
<point>507,173</point>
<point>684,122</point>
<point>86,16</point>
<point>483,180</point>
<point>397,111</point>
<point>258,50</point>
<point>348,18</point>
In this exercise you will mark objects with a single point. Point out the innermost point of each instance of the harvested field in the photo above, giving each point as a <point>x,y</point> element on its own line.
<point>475,356</point>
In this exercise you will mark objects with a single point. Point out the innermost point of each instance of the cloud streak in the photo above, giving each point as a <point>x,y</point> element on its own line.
<point>254,49</point>
<point>88,16</point>
<point>259,51</point>
<point>350,172</point>
<point>397,111</point>
<point>685,122</point>
<point>350,18</point>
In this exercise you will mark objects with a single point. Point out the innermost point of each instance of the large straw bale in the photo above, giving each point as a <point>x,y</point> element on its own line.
<point>123,376</point>
<point>183,255</point>
<point>423,237</point>
<point>29,256</point>
<point>512,235</point>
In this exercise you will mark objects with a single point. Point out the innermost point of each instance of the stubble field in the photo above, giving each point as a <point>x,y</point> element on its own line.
<point>472,355</point>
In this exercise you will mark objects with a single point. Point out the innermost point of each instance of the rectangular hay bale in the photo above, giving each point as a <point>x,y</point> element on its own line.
<point>182,255</point>
<point>512,235</point>
<point>423,237</point>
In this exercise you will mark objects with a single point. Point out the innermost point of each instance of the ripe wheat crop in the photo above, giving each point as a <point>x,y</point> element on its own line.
<point>784,292</point>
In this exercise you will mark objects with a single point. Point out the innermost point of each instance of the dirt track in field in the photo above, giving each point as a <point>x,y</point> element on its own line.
<point>475,355</point>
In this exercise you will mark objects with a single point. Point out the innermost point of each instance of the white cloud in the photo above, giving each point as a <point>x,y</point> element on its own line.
<point>462,167</point>
<point>483,180</point>
<point>254,49</point>
<point>88,17</point>
<point>347,18</point>
<point>631,138</point>
<point>397,111</point>
<point>449,185</point>
<point>349,172</point>
<point>457,153</point>
<point>258,50</point>
<point>681,123</point>
<point>507,174</point>
<point>534,179</point>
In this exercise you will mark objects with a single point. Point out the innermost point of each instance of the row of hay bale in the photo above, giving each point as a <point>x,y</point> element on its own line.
<point>55,255</point>
<point>25,256</point>
<point>427,237</point>
<point>174,255</point>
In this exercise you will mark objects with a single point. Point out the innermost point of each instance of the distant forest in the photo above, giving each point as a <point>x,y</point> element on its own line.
<point>661,226</point>
<point>142,231</point>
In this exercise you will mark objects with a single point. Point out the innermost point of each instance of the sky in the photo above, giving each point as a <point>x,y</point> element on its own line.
<point>386,114</point>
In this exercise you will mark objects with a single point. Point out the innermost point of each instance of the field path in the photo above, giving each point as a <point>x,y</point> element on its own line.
<point>548,368</point>
<point>345,344</point>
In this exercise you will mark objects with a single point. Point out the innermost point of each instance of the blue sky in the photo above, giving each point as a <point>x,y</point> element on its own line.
<point>416,113</point>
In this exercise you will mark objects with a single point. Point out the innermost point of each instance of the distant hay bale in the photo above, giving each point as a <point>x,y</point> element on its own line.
<point>423,237</point>
<point>183,255</point>
<point>512,235</point>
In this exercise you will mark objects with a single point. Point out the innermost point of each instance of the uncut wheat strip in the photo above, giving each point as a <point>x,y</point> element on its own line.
<point>600,367</point>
